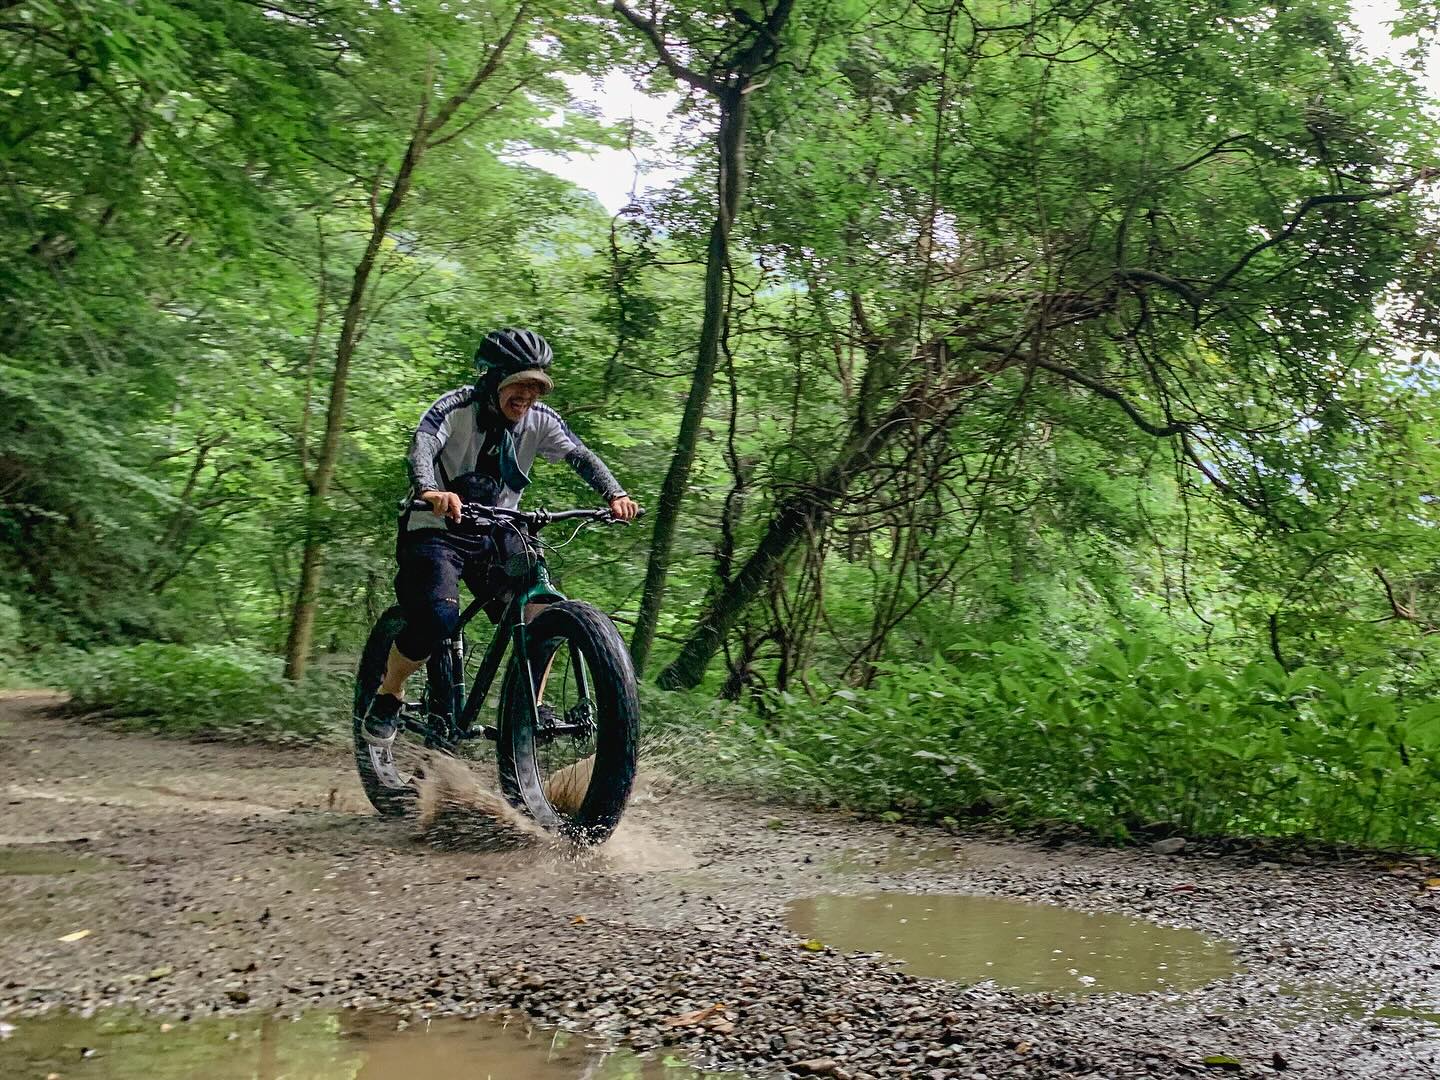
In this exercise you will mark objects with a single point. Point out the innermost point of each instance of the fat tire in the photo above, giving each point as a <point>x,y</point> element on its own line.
<point>617,706</point>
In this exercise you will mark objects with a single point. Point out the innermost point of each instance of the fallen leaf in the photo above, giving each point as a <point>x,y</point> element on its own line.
<point>156,974</point>
<point>1432,883</point>
<point>1022,1048</point>
<point>699,1016</point>
<point>579,920</point>
<point>813,945</point>
<point>75,935</point>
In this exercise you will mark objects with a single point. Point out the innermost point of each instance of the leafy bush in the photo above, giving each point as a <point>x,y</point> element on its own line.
<point>12,672</point>
<point>211,691</point>
<point>1127,737</point>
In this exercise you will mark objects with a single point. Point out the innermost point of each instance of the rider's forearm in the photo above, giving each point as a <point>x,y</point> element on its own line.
<point>423,450</point>
<point>593,471</point>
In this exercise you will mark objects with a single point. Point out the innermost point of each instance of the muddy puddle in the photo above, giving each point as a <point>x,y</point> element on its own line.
<point>316,1046</point>
<point>1032,948</point>
<point>47,859</point>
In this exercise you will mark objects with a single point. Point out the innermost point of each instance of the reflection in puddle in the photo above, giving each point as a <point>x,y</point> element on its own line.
<point>1024,946</point>
<point>317,1046</point>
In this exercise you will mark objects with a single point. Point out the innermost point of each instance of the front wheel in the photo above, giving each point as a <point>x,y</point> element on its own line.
<point>573,771</point>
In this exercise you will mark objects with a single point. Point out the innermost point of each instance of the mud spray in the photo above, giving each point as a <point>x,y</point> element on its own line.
<point>461,808</point>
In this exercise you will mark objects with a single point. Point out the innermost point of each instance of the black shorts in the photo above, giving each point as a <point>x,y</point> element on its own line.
<point>433,563</point>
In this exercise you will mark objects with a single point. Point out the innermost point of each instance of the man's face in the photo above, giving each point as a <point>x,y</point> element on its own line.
<point>516,399</point>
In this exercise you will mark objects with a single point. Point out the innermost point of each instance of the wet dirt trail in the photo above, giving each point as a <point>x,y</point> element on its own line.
<point>204,884</point>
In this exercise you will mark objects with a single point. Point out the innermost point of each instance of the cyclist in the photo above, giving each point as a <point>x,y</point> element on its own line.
<point>474,445</point>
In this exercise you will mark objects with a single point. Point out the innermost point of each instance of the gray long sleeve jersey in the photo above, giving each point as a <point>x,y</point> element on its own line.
<point>451,437</point>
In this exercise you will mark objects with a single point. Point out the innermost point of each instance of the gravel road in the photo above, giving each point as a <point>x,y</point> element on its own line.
<point>212,878</point>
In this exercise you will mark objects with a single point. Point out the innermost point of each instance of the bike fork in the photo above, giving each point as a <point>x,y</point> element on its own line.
<point>457,679</point>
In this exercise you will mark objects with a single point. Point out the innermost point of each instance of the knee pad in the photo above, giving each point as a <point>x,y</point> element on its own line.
<point>426,627</point>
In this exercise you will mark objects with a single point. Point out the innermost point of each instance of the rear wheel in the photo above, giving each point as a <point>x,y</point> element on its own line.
<point>573,772</point>
<point>389,774</point>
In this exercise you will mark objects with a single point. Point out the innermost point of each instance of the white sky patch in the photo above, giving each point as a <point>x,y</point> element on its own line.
<point>1373,17</point>
<point>613,174</point>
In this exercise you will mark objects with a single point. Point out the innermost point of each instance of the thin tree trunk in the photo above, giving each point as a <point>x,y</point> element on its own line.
<point>318,481</point>
<point>312,562</point>
<point>731,142</point>
<point>730,87</point>
<point>794,517</point>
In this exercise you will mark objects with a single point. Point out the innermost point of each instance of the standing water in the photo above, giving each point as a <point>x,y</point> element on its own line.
<point>316,1046</point>
<point>1033,948</point>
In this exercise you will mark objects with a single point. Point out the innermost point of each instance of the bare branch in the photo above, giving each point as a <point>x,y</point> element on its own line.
<point>1160,431</point>
<point>1188,293</point>
<point>1406,613</point>
<point>460,97</point>
<point>1311,203</point>
<point>669,59</point>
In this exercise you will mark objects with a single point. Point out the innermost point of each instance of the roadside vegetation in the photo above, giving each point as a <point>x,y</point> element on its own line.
<point>205,692</point>
<point>1126,740</point>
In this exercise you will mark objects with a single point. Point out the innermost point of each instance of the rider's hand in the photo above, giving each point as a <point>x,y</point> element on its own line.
<point>445,503</point>
<point>625,508</point>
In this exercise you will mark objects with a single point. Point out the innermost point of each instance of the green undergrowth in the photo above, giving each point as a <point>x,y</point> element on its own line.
<point>1122,740</point>
<point>203,691</point>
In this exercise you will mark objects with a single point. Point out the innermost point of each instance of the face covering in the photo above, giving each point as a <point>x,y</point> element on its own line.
<point>515,478</point>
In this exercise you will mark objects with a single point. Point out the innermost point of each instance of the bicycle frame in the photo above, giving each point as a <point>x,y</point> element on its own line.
<point>533,586</point>
<point>512,626</point>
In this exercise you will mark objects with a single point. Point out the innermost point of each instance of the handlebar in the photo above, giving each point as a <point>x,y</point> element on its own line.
<point>535,520</point>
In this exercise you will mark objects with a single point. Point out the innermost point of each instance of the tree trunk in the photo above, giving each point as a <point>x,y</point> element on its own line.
<point>318,481</point>
<point>312,562</point>
<point>426,134</point>
<point>731,144</point>
<point>796,516</point>
<point>790,522</point>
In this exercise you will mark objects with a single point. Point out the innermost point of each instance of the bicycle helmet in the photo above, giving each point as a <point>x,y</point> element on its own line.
<point>509,356</point>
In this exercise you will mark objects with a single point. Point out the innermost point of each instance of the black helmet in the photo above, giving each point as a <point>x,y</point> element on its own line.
<point>511,351</point>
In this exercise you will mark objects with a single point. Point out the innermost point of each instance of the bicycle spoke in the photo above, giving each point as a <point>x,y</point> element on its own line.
<point>566,751</point>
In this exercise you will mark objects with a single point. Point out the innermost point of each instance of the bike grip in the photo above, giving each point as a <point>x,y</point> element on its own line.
<point>419,504</point>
